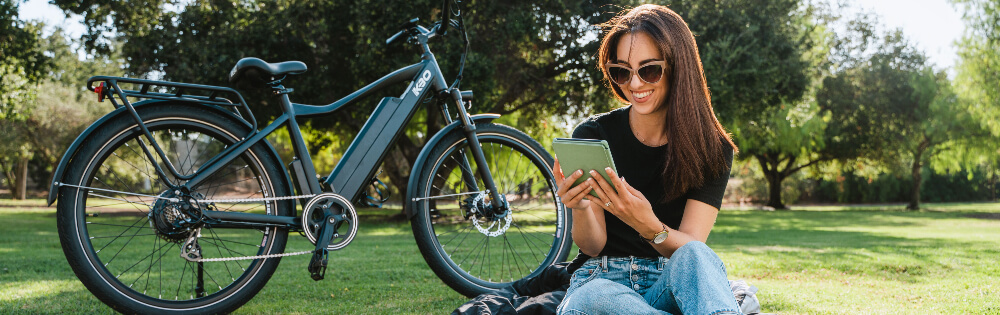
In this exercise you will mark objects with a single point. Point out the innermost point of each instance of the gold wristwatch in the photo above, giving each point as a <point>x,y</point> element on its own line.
<point>658,237</point>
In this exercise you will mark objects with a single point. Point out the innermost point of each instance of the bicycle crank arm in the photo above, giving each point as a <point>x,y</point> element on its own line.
<point>319,260</point>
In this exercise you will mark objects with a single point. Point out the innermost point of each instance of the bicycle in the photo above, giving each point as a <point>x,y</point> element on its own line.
<point>162,200</point>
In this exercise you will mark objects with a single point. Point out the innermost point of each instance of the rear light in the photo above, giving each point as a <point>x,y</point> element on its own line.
<point>100,92</point>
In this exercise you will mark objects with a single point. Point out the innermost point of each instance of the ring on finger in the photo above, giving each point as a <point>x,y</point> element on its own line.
<point>608,204</point>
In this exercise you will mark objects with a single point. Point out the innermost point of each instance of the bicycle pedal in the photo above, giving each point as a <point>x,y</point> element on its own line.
<point>317,265</point>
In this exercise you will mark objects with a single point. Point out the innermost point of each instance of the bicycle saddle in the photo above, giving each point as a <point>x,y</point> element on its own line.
<point>261,70</point>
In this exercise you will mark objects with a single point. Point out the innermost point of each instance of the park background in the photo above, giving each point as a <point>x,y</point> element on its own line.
<point>884,156</point>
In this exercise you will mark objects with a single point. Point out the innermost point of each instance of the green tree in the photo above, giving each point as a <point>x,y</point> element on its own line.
<point>17,96</point>
<point>887,105</point>
<point>978,68</point>
<point>22,64</point>
<point>937,124</point>
<point>977,82</point>
<point>65,107</point>
<point>760,59</point>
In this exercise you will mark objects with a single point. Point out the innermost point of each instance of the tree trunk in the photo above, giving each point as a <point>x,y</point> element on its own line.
<point>774,192</point>
<point>19,190</point>
<point>915,188</point>
<point>993,186</point>
<point>774,179</point>
<point>915,173</point>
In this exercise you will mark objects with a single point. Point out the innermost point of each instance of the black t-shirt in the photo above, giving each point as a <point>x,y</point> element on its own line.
<point>642,167</point>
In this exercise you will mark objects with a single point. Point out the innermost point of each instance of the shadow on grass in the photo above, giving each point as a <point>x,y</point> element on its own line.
<point>866,243</point>
<point>381,272</point>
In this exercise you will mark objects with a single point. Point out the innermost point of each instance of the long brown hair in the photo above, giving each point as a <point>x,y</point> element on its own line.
<point>695,136</point>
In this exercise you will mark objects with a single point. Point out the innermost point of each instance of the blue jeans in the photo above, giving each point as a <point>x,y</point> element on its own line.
<point>692,281</point>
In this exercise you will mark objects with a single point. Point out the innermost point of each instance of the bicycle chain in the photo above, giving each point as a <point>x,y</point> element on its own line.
<point>196,200</point>
<point>253,257</point>
<point>253,199</point>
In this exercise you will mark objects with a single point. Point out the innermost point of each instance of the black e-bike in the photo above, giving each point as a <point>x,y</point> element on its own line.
<point>177,203</point>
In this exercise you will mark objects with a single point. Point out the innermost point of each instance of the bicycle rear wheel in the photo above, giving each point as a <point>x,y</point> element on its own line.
<point>470,249</point>
<point>123,239</point>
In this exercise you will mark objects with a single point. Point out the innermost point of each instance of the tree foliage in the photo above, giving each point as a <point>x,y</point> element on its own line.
<point>22,64</point>
<point>978,69</point>
<point>754,53</point>
<point>977,84</point>
<point>888,105</point>
<point>760,60</point>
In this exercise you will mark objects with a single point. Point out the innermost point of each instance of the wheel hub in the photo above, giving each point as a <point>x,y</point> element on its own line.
<point>478,208</point>
<point>174,218</point>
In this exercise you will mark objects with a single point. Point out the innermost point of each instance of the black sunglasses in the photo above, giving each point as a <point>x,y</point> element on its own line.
<point>650,73</point>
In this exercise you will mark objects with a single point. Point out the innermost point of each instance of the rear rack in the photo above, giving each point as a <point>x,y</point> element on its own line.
<point>165,90</point>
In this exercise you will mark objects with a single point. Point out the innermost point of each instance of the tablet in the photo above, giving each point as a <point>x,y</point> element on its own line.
<point>586,155</point>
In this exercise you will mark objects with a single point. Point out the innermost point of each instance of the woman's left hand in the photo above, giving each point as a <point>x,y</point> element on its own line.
<point>628,204</point>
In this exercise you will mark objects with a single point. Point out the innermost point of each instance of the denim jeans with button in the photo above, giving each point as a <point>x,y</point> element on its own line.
<point>692,281</point>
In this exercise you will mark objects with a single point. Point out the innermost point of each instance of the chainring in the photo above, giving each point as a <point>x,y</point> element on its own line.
<point>313,218</point>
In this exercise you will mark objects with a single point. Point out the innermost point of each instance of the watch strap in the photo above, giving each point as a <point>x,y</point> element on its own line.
<point>650,240</point>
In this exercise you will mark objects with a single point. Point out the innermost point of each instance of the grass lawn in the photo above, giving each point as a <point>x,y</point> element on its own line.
<point>812,260</point>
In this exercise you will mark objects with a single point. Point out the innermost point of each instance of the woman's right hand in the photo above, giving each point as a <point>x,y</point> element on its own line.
<point>572,197</point>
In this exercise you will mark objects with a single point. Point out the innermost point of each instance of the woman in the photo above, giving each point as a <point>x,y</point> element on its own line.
<point>647,240</point>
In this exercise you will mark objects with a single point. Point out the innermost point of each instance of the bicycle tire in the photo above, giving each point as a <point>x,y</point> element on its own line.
<point>538,233</point>
<point>123,275</point>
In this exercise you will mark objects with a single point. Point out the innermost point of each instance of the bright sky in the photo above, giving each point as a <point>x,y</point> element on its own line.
<point>934,25</point>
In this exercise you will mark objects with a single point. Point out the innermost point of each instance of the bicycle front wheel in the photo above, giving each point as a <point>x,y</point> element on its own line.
<point>469,246</point>
<point>124,239</point>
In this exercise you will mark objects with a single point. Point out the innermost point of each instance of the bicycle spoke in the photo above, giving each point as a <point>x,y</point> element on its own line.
<point>150,265</point>
<point>513,252</point>
<point>529,243</point>
<point>219,250</point>
<point>119,234</point>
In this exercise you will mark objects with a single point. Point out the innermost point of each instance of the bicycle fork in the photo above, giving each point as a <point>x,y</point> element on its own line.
<point>499,206</point>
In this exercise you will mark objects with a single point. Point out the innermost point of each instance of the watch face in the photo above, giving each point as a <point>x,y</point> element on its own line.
<point>660,238</point>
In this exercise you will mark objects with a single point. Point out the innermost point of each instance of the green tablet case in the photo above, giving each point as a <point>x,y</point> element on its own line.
<point>586,155</point>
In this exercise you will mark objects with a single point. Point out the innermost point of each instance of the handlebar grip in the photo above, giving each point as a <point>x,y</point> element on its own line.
<point>445,17</point>
<point>394,37</point>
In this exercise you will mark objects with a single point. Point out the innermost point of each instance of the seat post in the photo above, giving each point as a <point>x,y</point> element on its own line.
<point>298,142</point>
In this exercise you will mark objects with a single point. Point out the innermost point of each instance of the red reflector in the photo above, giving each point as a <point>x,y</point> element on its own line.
<point>100,92</point>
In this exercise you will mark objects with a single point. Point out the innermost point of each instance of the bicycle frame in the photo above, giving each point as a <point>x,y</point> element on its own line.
<point>360,161</point>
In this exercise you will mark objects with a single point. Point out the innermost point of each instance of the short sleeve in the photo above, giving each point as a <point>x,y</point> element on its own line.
<point>588,129</point>
<point>714,189</point>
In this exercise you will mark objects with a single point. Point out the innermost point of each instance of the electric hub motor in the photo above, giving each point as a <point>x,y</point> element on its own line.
<point>173,220</point>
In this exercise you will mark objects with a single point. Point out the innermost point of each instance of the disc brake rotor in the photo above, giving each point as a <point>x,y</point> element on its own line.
<point>497,225</point>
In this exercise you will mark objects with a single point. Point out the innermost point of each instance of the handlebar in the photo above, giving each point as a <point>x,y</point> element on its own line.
<point>406,28</point>
<point>412,30</point>
<point>410,27</point>
<point>394,37</point>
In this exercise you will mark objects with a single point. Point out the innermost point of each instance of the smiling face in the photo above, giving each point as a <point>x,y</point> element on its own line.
<point>634,51</point>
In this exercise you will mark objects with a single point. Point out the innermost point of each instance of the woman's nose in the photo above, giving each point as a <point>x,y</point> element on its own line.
<point>635,83</point>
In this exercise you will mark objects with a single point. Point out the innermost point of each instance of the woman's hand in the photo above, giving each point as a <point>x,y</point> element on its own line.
<point>628,204</point>
<point>572,197</point>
